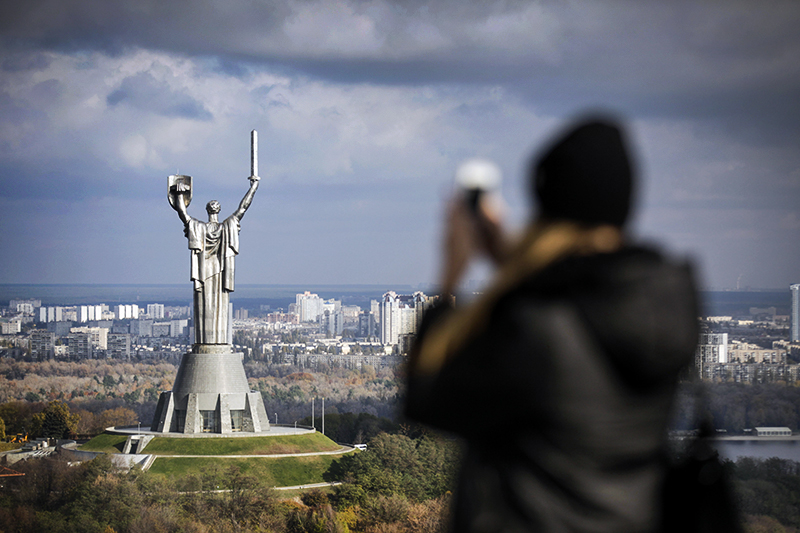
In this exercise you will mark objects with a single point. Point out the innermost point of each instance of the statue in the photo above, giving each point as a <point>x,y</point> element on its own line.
<point>211,393</point>
<point>214,246</point>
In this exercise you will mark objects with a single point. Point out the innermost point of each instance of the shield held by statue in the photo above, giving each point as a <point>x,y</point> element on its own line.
<point>185,183</point>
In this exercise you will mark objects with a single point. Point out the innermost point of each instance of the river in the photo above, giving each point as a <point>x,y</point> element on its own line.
<point>760,449</point>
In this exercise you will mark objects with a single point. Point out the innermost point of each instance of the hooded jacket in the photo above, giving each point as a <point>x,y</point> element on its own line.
<point>563,398</point>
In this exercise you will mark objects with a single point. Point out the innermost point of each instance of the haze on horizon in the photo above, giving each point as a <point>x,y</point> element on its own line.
<point>364,109</point>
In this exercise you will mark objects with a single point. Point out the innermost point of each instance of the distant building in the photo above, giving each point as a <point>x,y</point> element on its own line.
<point>95,312</point>
<point>24,306</point>
<point>367,324</point>
<point>127,311</point>
<point>178,327</point>
<point>712,348</point>
<point>98,336</point>
<point>155,311</point>
<point>309,306</point>
<point>141,328</point>
<point>183,311</point>
<point>332,322</point>
<point>55,314</point>
<point>773,432</point>
<point>119,346</point>
<point>80,345</point>
<point>795,312</point>
<point>288,318</point>
<point>400,315</point>
<point>42,344</point>
<point>60,328</point>
<point>161,329</point>
<point>10,327</point>
<point>742,352</point>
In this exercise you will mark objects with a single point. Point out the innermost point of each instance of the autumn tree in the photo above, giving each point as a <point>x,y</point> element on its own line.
<point>55,421</point>
<point>416,469</point>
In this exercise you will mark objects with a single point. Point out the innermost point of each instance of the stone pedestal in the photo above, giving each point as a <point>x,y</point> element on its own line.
<point>210,395</point>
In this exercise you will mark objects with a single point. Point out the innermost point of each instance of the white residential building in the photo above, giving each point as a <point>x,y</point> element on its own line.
<point>155,311</point>
<point>401,315</point>
<point>309,306</point>
<point>98,336</point>
<point>712,348</point>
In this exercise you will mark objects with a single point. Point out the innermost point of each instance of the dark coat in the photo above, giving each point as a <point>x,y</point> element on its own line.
<point>564,398</point>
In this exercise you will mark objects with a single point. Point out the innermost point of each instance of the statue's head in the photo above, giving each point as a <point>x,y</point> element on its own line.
<point>212,207</point>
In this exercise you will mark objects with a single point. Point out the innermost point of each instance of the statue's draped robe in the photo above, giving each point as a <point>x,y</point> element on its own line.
<point>214,247</point>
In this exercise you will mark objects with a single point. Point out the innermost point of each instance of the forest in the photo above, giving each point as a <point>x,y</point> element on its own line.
<point>402,484</point>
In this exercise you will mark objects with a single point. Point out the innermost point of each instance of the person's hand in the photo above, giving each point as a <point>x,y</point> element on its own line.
<point>469,233</point>
<point>492,239</point>
<point>458,246</point>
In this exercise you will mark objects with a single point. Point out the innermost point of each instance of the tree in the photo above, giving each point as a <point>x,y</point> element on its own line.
<point>417,469</point>
<point>55,421</point>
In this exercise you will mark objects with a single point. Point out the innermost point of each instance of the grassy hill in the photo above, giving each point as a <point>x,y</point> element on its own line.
<point>278,472</point>
<point>275,471</point>
<point>279,444</point>
<point>283,444</point>
<point>105,443</point>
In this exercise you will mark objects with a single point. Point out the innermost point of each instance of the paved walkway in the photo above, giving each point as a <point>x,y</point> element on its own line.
<point>310,486</point>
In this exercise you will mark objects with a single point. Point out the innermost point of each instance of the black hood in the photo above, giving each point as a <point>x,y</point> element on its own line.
<point>641,308</point>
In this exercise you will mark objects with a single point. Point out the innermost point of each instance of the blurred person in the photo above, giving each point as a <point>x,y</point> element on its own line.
<point>561,375</point>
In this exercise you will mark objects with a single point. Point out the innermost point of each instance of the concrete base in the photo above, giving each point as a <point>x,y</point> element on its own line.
<point>210,395</point>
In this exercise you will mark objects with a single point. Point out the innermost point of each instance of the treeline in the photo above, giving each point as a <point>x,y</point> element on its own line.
<point>84,418</point>
<point>288,391</point>
<point>89,380</point>
<point>353,428</point>
<point>736,406</point>
<point>767,493</point>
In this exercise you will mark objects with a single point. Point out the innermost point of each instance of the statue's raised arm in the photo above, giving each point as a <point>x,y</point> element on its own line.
<point>248,197</point>
<point>254,179</point>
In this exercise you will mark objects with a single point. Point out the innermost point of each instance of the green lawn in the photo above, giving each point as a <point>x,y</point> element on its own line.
<point>105,443</point>
<point>278,472</point>
<point>315,442</point>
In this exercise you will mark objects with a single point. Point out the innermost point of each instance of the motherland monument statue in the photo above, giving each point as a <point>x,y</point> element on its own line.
<point>211,393</point>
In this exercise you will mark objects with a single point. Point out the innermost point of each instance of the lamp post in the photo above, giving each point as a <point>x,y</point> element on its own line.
<point>323,415</point>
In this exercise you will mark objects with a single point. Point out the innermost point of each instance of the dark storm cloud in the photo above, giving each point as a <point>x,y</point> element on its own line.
<point>731,61</point>
<point>145,93</point>
<point>18,63</point>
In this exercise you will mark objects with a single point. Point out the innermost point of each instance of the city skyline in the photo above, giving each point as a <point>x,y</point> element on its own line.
<point>363,110</point>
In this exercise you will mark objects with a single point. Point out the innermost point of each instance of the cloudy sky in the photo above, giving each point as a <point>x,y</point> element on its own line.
<point>364,109</point>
